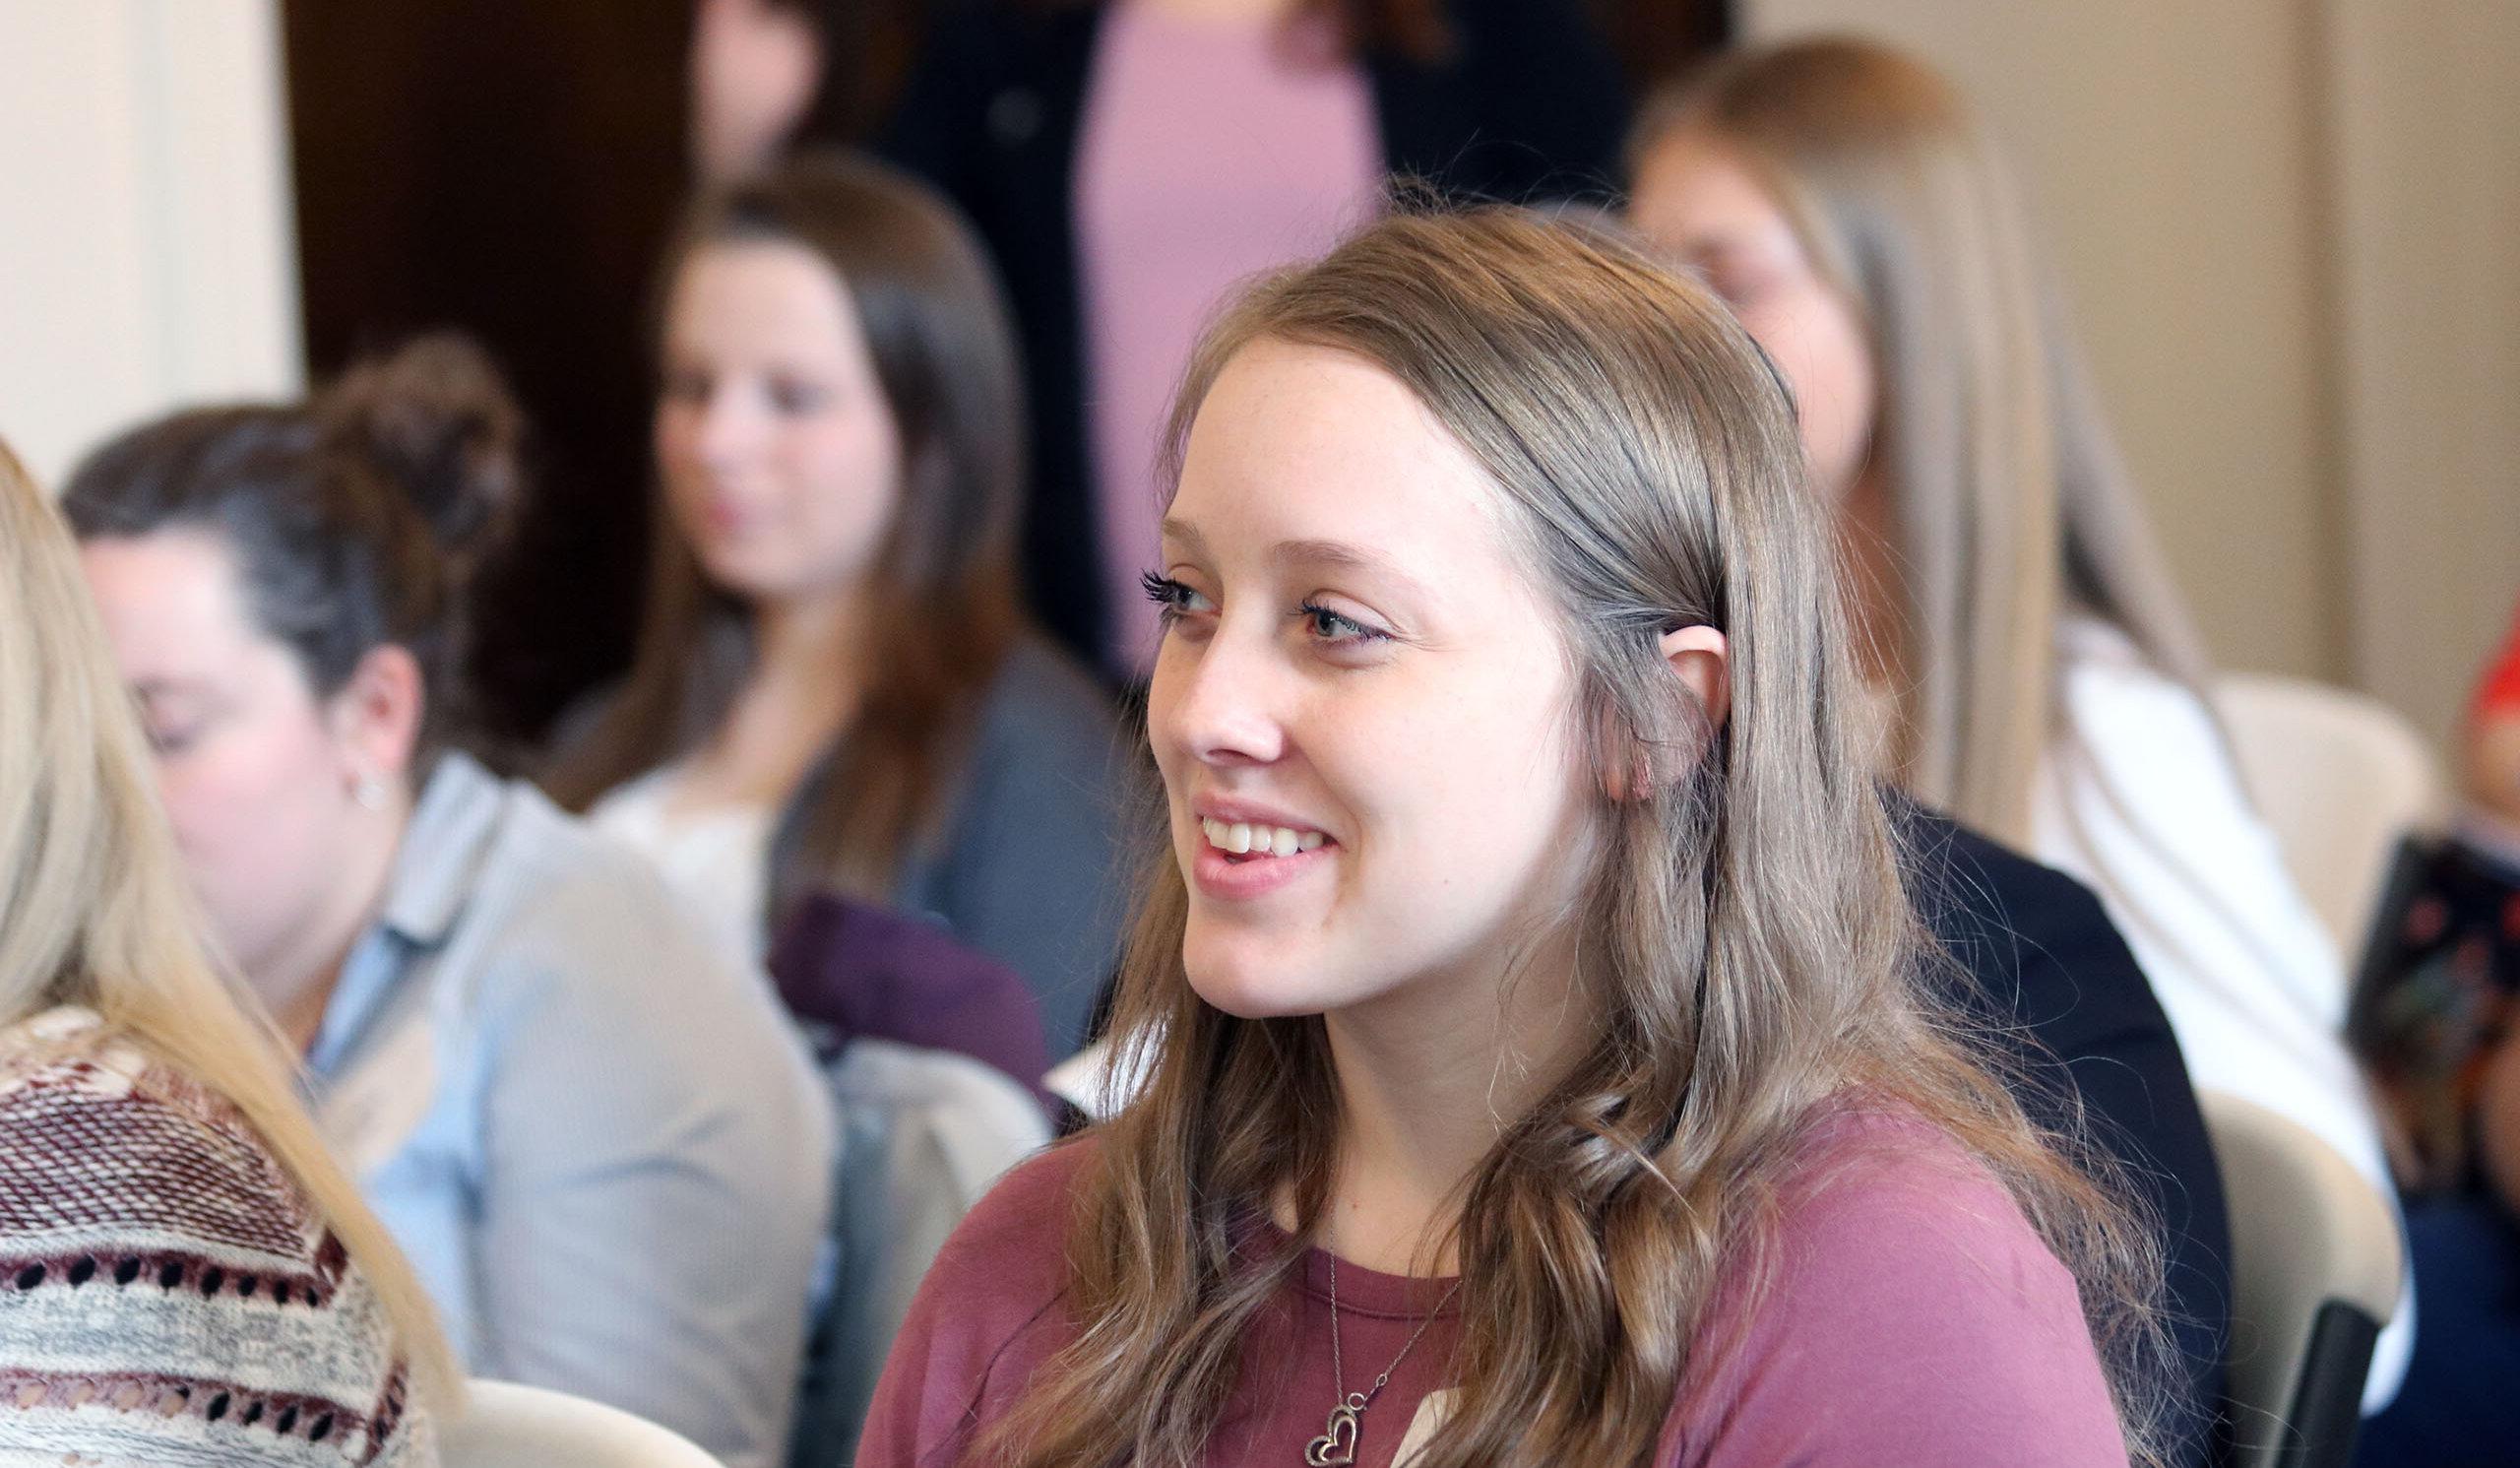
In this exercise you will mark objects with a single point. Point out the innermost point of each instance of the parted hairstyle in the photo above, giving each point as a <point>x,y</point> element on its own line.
<point>94,909</point>
<point>944,583</point>
<point>2012,505</point>
<point>1743,938</point>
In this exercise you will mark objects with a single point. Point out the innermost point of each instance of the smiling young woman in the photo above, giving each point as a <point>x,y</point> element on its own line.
<point>1537,1063</point>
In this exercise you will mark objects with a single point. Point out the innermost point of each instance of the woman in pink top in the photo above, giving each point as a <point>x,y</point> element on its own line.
<point>1129,161</point>
<point>1536,1061</point>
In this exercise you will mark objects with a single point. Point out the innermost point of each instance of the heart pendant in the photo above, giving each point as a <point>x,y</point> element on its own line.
<point>1336,1446</point>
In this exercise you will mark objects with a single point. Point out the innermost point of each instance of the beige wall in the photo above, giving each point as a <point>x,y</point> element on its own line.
<point>2426,136</point>
<point>2284,231</point>
<point>146,243</point>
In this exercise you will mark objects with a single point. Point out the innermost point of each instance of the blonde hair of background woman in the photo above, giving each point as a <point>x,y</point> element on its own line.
<point>1743,937</point>
<point>2012,505</point>
<point>93,907</point>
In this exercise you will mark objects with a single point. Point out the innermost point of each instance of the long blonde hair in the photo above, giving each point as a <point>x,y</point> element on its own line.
<point>1743,934</point>
<point>94,909</point>
<point>2013,507</point>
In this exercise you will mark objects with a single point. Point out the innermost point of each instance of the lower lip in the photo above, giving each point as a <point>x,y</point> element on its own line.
<point>1217,876</point>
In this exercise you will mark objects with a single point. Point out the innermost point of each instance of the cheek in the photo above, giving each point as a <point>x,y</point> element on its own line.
<point>675,437</point>
<point>1821,350</point>
<point>846,475</point>
<point>249,794</point>
<point>1484,793</point>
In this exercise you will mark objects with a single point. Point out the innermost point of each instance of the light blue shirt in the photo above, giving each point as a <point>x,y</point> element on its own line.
<point>596,1134</point>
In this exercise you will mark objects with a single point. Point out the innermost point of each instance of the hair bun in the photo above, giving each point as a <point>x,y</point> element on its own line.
<point>436,416</point>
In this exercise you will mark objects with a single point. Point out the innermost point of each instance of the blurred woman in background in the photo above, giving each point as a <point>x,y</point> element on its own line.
<point>2034,667</point>
<point>591,1129</point>
<point>836,688</point>
<point>186,1275</point>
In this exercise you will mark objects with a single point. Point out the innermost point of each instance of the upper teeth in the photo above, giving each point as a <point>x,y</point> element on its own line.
<point>1244,838</point>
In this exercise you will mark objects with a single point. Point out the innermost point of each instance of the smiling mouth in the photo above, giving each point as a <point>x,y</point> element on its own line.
<point>1242,841</point>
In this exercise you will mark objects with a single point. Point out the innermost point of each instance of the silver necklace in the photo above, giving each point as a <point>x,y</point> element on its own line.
<point>1336,1445</point>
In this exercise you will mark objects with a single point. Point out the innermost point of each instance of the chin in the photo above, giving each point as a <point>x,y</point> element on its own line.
<point>1245,977</point>
<point>738,576</point>
<point>1256,974</point>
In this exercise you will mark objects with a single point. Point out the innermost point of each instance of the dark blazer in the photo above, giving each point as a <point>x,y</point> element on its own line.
<point>1529,105</point>
<point>2045,965</point>
<point>1030,865</point>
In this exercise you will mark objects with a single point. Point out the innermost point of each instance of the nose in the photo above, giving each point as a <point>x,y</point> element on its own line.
<point>724,430</point>
<point>1222,702</point>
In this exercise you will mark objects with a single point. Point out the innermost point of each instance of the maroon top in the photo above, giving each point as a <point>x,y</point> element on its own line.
<point>1911,1317</point>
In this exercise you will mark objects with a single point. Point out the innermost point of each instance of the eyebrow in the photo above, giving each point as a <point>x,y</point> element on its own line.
<point>1337,554</point>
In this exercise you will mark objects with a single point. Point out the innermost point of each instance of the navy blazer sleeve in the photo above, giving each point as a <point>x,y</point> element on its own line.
<point>2048,970</point>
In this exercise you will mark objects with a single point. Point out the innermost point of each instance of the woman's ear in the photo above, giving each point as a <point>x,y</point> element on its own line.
<point>1703,662</point>
<point>1699,658</point>
<point>376,716</point>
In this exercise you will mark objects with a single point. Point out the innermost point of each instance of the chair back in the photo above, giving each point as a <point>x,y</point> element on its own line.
<point>923,1133</point>
<point>2315,1267</point>
<point>2341,779</point>
<point>510,1425</point>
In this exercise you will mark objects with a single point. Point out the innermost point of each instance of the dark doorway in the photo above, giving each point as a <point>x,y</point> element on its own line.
<point>509,170</point>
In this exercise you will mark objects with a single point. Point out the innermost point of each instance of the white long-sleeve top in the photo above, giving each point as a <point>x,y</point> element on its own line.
<point>2140,799</point>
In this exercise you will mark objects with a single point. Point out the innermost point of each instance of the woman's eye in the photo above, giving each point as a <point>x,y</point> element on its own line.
<point>1336,627</point>
<point>685,387</point>
<point>171,741</point>
<point>1173,600</point>
<point>796,397</point>
<point>1738,282</point>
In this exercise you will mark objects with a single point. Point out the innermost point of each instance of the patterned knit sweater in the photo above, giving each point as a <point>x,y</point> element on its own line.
<point>167,1295</point>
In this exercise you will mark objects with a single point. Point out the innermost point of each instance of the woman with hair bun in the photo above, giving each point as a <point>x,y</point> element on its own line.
<point>591,1130</point>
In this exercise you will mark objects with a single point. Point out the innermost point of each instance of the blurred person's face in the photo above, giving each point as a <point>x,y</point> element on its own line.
<point>1698,202</point>
<point>259,776</point>
<point>780,459</point>
<point>1360,706</point>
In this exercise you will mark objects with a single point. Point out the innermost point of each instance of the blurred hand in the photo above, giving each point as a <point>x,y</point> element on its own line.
<point>755,66</point>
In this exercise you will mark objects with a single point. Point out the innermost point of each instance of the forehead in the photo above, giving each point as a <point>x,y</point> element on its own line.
<point>774,293</point>
<point>1300,443</point>
<point>169,600</point>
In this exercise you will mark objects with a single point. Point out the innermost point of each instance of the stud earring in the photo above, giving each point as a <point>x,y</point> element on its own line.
<point>370,792</point>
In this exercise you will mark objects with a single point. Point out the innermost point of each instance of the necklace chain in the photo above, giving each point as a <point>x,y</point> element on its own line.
<point>1359,1401</point>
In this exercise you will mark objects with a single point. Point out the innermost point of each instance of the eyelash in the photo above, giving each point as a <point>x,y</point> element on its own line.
<point>1357,631</point>
<point>787,398</point>
<point>171,743</point>
<point>1172,600</point>
<point>1168,595</point>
